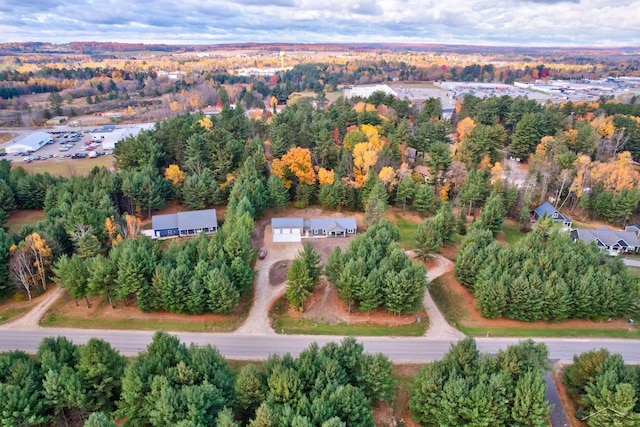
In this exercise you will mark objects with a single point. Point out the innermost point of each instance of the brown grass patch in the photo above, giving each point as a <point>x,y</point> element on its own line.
<point>6,137</point>
<point>23,217</point>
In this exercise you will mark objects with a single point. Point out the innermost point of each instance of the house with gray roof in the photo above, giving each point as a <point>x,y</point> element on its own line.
<point>332,227</point>
<point>183,224</point>
<point>295,229</point>
<point>633,227</point>
<point>613,241</point>
<point>547,210</point>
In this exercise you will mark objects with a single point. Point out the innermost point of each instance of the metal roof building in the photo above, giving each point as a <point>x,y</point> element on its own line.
<point>31,143</point>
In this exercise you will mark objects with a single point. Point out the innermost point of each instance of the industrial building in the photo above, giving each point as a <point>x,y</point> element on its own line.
<point>31,143</point>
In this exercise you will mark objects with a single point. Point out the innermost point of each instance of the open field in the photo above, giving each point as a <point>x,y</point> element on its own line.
<point>67,167</point>
<point>458,306</point>
<point>23,217</point>
<point>6,136</point>
<point>65,313</point>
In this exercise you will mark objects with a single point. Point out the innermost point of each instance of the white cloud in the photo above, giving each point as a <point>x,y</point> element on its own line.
<point>511,22</point>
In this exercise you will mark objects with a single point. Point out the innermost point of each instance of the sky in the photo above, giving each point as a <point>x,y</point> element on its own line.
<point>613,23</point>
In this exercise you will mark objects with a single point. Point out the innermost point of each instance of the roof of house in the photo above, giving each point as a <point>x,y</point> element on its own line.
<point>422,170</point>
<point>192,220</point>
<point>287,223</point>
<point>164,222</point>
<point>35,140</point>
<point>607,236</point>
<point>633,227</point>
<point>547,209</point>
<point>330,224</point>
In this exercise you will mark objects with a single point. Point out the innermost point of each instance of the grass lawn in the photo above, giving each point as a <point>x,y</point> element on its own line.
<point>511,232</point>
<point>22,217</point>
<point>285,324</point>
<point>67,167</point>
<point>10,313</point>
<point>407,229</point>
<point>63,315</point>
<point>458,315</point>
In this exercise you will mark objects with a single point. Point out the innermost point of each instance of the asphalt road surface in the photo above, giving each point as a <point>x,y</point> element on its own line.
<point>252,347</point>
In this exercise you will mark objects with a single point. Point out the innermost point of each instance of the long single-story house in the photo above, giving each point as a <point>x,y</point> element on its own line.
<point>287,229</point>
<point>633,227</point>
<point>547,209</point>
<point>613,241</point>
<point>295,229</point>
<point>183,224</point>
<point>332,227</point>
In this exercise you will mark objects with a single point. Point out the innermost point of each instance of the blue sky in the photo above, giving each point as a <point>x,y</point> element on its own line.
<point>495,22</point>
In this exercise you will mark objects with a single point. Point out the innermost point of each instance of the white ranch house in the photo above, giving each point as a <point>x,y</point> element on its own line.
<point>295,229</point>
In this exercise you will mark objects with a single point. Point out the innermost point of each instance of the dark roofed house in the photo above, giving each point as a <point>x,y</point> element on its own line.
<point>187,223</point>
<point>613,241</point>
<point>165,225</point>
<point>547,210</point>
<point>194,222</point>
<point>333,227</point>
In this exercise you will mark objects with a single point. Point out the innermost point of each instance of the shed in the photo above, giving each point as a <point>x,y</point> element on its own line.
<point>31,143</point>
<point>333,227</point>
<point>287,229</point>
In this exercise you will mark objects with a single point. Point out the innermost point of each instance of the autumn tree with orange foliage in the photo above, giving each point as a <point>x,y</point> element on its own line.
<point>296,162</point>
<point>325,177</point>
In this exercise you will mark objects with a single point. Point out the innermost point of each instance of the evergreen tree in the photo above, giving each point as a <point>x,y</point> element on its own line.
<point>405,192</point>
<point>425,200</point>
<point>493,213</point>
<point>278,196</point>
<point>99,419</point>
<point>311,259</point>
<point>299,283</point>
<point>376,205</point>
<point>526,137</point>
<point>428,238</point>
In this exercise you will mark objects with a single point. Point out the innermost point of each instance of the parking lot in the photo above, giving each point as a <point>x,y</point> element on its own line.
<point>74,144</point>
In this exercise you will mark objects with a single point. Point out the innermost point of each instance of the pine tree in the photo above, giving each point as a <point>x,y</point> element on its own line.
<point>405,192</point>
<point>425,200</point>
<point>376,204</point>
<point>278,196</point>
<point>299,283</point>
<point>428,238</point>
<point>526,137</point>
<point>311,259</point>
<point>493,213</point>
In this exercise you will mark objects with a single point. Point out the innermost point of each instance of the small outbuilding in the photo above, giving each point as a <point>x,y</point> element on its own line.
<point>287,229</point>
<point>31,143</point>
<point>183,224</point>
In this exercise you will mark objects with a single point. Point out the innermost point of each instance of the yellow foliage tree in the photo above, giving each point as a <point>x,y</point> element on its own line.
<point>465,126</point>
<point>174,175</point>
<point>365,156</point>
<point>444,192</point>
<point>604,126</point>
<point>41,257</point>
<point>206,123</point>
<point>582,166</point>
<point>112,231</point>
<point>387,175</point>
<point>373,136</point>
<point>617,175</point>
<point>325,176</point>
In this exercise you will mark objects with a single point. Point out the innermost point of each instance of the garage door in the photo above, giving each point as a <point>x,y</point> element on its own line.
<point>286,235</point>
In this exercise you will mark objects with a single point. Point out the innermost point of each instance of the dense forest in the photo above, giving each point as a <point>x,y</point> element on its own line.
<point>352,155</point>
<point>337,385</point>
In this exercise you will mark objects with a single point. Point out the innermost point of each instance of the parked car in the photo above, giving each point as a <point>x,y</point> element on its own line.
<point>262,254</point>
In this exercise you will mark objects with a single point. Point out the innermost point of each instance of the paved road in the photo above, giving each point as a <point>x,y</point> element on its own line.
<point>257,347</point>
<point>631,262</point>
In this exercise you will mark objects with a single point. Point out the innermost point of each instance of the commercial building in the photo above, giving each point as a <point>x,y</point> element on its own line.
<point>31,143</point>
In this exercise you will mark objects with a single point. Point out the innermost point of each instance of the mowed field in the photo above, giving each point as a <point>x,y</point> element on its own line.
<point>66,166</point>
